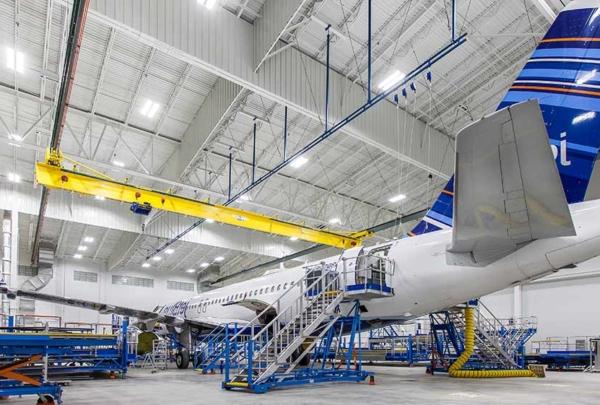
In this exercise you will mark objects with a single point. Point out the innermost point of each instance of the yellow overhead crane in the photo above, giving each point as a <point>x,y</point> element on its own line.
<point>53,175</point>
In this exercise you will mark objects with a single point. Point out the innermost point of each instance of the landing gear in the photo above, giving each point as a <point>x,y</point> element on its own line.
<point>182,359</point>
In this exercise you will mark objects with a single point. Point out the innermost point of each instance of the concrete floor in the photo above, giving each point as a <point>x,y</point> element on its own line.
<point>393,385</point>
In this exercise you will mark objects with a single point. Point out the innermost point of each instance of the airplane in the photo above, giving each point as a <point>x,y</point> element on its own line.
<point>524,202</point>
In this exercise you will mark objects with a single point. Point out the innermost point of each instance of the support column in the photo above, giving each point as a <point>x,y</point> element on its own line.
<point>14,259</point>
<point>5,278</point>
<point>517,302</point>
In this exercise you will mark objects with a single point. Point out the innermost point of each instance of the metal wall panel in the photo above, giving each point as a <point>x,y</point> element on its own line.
<point>215,40</point>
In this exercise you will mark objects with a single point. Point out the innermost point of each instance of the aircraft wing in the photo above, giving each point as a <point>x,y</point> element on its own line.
<point>141,315</point>
<point>507,189</point>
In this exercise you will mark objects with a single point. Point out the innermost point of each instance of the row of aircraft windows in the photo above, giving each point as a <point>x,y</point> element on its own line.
<point>244,295</point>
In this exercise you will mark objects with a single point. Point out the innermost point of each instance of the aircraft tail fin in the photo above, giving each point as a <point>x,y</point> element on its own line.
<point>563,75</point>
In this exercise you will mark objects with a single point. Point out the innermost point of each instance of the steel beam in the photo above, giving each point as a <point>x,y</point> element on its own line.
<point>316,248</point>
<point>224,46</point>
<point>56,177</point>
<point>79,14</point>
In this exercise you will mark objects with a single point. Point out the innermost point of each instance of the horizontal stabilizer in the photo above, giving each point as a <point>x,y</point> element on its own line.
<point>507,190</point>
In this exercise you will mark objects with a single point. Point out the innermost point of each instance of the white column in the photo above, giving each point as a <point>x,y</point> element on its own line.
<point>14,257</point>
<point>5,278</point>
<point>517,302</point>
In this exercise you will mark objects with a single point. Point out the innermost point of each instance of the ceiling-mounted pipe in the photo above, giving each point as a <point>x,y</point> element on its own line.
<point>76,27</point>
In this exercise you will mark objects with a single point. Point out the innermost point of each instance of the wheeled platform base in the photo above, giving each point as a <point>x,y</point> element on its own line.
<point>299,377</point>
<point>47,393</point>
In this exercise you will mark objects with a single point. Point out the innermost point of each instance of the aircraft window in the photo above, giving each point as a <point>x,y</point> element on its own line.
<point>292,283</point>
<point>261,291</point>
<point>285,286</point>
<point>255,292</point>
<point>279,287</point>
<point>245,294</point>
<point>272,288</point>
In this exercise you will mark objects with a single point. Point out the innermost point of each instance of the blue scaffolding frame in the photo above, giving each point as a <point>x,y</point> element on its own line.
<point>60,353</point>
<point>322,368</point>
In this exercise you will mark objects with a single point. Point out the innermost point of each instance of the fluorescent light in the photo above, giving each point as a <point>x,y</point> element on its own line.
<point>334,221</point>
<point>245,197</point>
<point>293,238</point>
<point>82,248</point>
<point>10,60</point>
<point>209,4</point>
<point>584,117</point>
<point>145,265</point>
<point>397,198</point>
<point>100,197</point>
<point>190,271</point>
<point>77,256</point>
<point>204,264</point>
<point>298,162</point>
<point>209,221</point>
<point>157,258</point>
<point>14,177</point>
<point>392,79</point>
<point>169,251</point>
<point>150,109</point>
<point>219,259</point>
<point>88,239</point>
<point>118,163</point>
<point>15,137</point>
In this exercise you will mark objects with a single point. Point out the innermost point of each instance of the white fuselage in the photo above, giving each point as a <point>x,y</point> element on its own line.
<point>423,280</point>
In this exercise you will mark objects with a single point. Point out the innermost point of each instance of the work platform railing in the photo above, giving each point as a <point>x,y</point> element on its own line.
<point>305,313</point>
<point>499,343</point>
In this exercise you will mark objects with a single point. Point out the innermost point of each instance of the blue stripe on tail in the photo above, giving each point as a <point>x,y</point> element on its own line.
<point>564,75</point>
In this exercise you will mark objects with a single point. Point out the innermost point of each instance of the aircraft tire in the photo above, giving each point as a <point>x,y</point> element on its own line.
<point>182,359</point>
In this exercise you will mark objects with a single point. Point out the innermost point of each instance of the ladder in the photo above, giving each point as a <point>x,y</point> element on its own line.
<point>498,343</point>
<point>306,312</point>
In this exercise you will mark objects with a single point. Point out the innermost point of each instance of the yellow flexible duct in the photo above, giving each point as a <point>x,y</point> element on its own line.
<point>455,369</point>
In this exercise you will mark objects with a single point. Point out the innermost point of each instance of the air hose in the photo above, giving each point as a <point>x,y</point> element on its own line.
<point>455,369</point>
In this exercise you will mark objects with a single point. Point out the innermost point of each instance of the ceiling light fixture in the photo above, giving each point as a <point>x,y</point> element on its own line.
<point>15,62</point>
<point>293,238</point>
<point>397,198</point>
<point>145,265</point>
<point>209,221</point>
<point>244,197</point>
<point>209,4</point>
<point>157,258</point>
<point>77,256</point>
<point>169,251</point>
<point>15,137</point>
<point>150,109</point>
<point>190,270</point>
<point>391,80</point>
<point>100,197</point>
<point>82,248</point>
<point>88,239</point>
<point>14,177</point>
<point>334,221</point>
<point>219,259</point>
<point>298,162</point>
<point>204,265</point>
<point>118,163</point>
